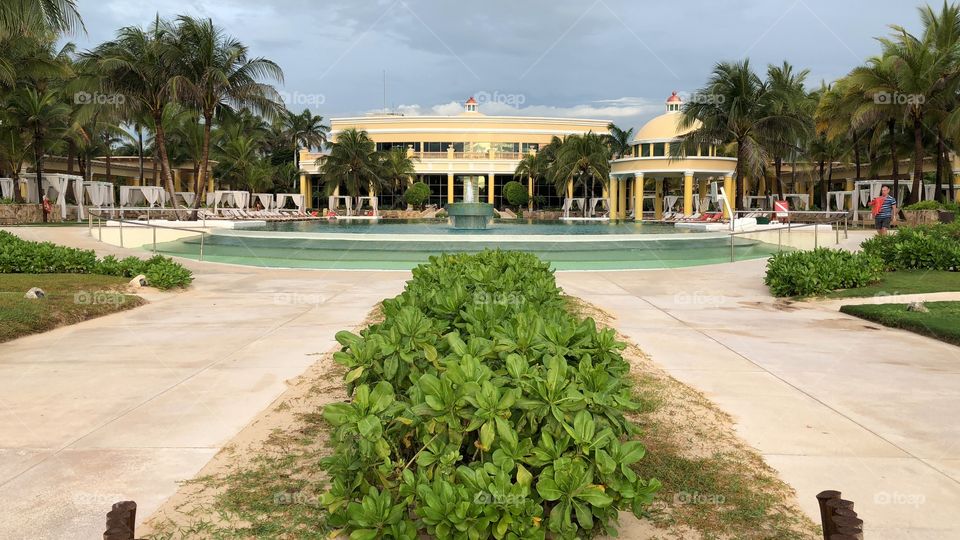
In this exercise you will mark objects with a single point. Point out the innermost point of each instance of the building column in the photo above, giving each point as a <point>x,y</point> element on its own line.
<point>177,175</point>
<point>305,189</point>
<point>658,200</point>
<point>731,192</point>
<point>450,188</point>
<point>622,198</point>
<point>956,191</point>
<point>210,187</point>
<point>638,197</point>
<point>570,189</point>
<point>702,191</point>
<point>491,179</point>
<point>530,193</point>
<point>612,197</point>
<point>688,193</point>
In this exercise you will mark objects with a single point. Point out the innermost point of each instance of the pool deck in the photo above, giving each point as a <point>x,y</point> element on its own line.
<point>125,406</point>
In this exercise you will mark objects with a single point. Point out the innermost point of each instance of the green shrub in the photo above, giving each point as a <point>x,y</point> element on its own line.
<point>515,193</point>
<point>19,256</point>
<point>926,247</point>
<point>807,273</point>
<point>417,195</point>
<point>481,408</point>
<point>923,205</point>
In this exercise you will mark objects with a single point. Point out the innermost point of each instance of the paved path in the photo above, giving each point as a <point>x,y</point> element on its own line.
<point>831,401</point>
<point>125,406</point>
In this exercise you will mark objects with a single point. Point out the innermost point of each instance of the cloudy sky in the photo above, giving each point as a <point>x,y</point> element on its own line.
<point>608,59</point>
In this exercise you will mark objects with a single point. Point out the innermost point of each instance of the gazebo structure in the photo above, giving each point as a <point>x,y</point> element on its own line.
<point>649,159</point>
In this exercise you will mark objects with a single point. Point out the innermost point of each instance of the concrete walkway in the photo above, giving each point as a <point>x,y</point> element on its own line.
<point>831,401</point>
<point>125,406</point>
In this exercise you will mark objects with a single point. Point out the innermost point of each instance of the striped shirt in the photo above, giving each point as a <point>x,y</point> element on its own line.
<point>886,209</point>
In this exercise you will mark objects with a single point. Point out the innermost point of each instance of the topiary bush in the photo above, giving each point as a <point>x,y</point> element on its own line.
<point>480,407</point>
<point>515,193</point>
<point>417,195</point>
<point>18,256</point>
<point>929,247</point>
<point>808,273</point>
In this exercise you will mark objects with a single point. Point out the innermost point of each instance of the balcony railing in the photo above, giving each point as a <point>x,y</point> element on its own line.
<point>468,155</point>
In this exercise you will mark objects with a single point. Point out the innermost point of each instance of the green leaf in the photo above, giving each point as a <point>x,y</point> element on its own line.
<point>363,534</point>
<point>381,397</point>
<point>353,375</point>
<point>548,489</point>
<point>631,452</point>
<point>338,413</point>
<point>595,496</point>
<point>524,478</point>
<point>487,435</point>
<point>370,427</point>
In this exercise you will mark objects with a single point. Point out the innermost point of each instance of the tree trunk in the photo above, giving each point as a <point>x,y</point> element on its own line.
<point>161,142</point>
<point>71,150</point>
<point>895,163</point>
<point>200,180</point>
<point>938,189</point>
<point>856,159</point>
<point>38,169</point>
<point>109,170</point>
<point>738,180</point>
<point>140,152</point>
<point>821,164</point>
<point>778,167</point>
<point>917,159</point>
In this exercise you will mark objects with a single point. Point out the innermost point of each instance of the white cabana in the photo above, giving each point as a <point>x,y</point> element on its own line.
<point>266,200</point>
<point>6,188</point>
<point>839,199</point>
<point>930,191</point>
<point>669,201</point>
<point>236,199</point>
<point>33,196</point>
<point>55,186</point>
<point>150,195</point>
<point>371,201</point>
<point>570,203</point>
<point>298,199</point>
<point>604,205</point>
<point>100,194</point>
<point>333,202</point>
<point>185,197</point>
<point>867,190</point>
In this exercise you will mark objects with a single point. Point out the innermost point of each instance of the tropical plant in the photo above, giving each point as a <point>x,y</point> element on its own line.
<point>353,163</point>
<point>304,130</point>
<point>809,273</point>
<point>619,140</point>
<point>397,169</point>
<point>581,159</point>
<point>790,99</point>
<point>481,408</point>
<point>515,193</point>
<point>417,195</point>
<point>534,167</point>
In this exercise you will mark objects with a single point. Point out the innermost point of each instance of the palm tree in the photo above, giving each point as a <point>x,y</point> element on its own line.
<point>619,140</point>
<point>534,166</point>
<point>14,150</point>
<point>218,74</point>
<point>740,113</point>
<point>140,65</point>
<point>942,34</point>
<point>38,18</point>
<point>397,169</point>
<point>353,163</point>
<point>788,98</point>
<point>44,119</point>
<point>583,159</point>
<point>305,130</point>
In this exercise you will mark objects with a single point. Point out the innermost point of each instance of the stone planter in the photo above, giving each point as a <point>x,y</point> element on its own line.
<point>921,217</point>
<point>946,217</point>
<point>19,214</point>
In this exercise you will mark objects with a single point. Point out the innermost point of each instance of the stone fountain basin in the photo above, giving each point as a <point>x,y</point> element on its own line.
<point>472,216</point>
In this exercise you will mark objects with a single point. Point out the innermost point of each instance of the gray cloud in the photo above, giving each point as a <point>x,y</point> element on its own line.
<point>615,58</point>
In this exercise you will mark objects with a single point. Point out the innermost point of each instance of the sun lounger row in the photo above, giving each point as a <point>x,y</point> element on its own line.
<point>706,217</point>
<point>262,215</point>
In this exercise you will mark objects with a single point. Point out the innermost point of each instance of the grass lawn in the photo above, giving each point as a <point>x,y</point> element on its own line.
<point>906,282</point>
<point>71,298</point>
<point>940,323</point>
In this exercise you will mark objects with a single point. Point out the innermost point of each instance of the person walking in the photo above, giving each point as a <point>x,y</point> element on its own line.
<point>884,209</point>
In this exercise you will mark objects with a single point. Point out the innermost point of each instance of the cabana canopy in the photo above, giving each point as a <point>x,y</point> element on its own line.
<point>100,193</point>
<point>55,186</point>
<point>333,203</point>
<point>152,195</point>
<point>6,188</point>
<point>266,199</point>
<point>237,199</point>
<point>298,199</point>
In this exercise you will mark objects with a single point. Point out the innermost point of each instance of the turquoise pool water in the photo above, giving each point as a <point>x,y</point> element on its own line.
<point>401,246</point>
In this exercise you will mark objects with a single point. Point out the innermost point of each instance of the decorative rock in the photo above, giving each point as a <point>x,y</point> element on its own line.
<point>139,281</point>
<point>35,293</point>
<point>918,307</point>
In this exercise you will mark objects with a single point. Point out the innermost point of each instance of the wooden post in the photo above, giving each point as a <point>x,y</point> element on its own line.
<point>121,520</point>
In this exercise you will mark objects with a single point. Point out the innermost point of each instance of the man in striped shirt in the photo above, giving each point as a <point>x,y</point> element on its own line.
<point>885,210</point>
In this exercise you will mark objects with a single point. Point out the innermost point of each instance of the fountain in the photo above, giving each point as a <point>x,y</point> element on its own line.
<point>470,214</point>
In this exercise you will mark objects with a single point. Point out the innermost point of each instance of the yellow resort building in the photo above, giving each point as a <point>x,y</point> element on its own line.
<point>447,149</point>
<point>648,172</point>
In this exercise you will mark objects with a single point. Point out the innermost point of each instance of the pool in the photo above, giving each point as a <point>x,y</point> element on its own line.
<point>401,245</point>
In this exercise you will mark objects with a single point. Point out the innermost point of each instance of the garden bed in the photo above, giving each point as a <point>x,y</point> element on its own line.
<point>70,298</point>
<point>940,323</point>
